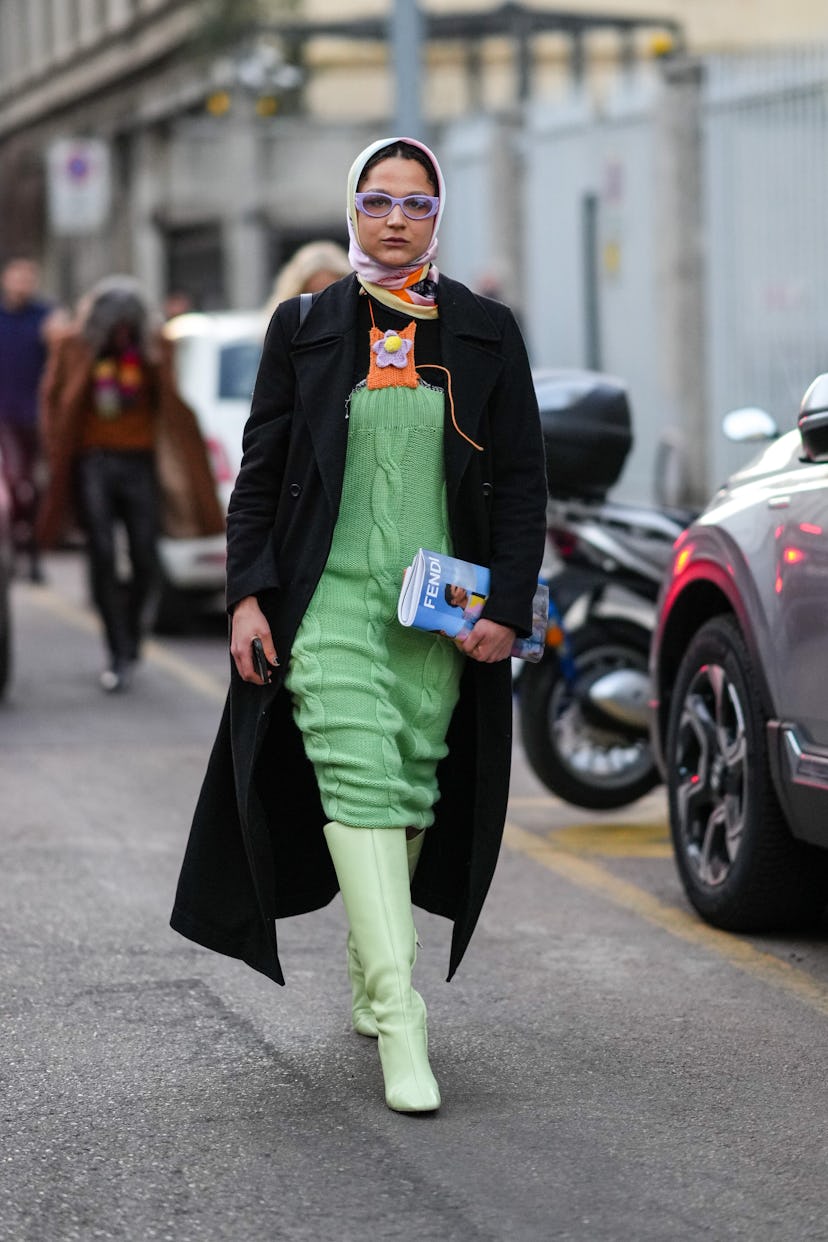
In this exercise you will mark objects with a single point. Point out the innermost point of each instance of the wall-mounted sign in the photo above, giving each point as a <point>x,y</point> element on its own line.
<point>79,185</point>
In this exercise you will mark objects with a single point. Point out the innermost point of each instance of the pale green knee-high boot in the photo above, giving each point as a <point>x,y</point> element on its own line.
<point>372,871</point>
<point>362,1014</point>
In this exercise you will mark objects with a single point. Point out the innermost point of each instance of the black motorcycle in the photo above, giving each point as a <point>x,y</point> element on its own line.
<point>584,709</point>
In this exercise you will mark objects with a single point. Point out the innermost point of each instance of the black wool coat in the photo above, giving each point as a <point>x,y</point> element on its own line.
<point>256,850</point>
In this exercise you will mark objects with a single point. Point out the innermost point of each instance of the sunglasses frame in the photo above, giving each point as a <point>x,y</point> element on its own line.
<point>433,200</point>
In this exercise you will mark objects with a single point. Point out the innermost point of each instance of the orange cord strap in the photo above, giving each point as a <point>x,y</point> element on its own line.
<point>437,367</point>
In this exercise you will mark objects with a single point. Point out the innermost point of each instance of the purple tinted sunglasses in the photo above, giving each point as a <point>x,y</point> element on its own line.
<point>415,206</point>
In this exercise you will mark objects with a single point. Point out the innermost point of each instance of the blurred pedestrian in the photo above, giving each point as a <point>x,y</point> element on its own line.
<point>177,302</point>
<point>312,268</point>
<point>113,428</point>
<point>399,413</point>
<point>24,324</point>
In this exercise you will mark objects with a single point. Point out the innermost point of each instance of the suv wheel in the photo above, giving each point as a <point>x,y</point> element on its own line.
<point>740,866</point>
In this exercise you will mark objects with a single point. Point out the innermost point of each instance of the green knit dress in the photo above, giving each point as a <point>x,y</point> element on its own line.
<point>373,699</point>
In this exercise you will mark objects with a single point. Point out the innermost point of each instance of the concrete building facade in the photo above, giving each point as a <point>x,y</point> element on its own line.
<point>226,149</point>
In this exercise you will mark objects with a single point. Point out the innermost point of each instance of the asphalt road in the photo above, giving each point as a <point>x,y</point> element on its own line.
<point>610,1068</point>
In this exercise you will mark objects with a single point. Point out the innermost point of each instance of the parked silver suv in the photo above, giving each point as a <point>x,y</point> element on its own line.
<point>739,665</point>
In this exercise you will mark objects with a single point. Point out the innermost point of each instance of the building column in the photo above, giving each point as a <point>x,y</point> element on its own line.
<point>246,249</point>
<point>63,34</point>
<point>147,159</point>
<point>681,278</point>
<point>245,234</point>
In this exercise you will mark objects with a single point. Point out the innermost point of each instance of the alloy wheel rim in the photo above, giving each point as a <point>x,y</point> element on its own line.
<point>711,787</point>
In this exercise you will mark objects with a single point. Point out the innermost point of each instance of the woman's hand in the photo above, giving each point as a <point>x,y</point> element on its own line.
<point>488,642</point>
<point>248,623</point>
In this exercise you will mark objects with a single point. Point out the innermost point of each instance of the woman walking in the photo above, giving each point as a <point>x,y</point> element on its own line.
<point>114,427</point>
<point>398,414</point>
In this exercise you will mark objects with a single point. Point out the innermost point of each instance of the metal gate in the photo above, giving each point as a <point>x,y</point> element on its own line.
<point>766,216</point>
<point>599,286</point>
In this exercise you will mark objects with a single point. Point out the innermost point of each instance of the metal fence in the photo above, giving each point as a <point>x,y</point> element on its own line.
<point>606,247</point>
<point>591,268</point>
<point>766,212</point>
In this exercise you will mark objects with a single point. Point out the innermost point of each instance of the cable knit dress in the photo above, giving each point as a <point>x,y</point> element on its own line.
<point>373,699</point>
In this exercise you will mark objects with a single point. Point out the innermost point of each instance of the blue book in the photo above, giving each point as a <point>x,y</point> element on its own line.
<point>445,595</point>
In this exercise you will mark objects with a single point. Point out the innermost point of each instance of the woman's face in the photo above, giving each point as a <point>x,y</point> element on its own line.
<point>395,240</point>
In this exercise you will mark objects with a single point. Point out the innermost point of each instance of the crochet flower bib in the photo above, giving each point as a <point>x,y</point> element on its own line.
<point>392,358</point>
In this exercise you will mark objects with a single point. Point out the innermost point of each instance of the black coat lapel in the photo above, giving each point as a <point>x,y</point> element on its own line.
<point>324,355</point>
<point>471,347</point>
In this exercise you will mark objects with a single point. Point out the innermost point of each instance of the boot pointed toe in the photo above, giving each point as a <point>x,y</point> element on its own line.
<point>413,1095</point>
<point>410,1085</point>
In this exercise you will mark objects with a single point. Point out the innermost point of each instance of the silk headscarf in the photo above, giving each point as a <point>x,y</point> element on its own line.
<point>379,280</point>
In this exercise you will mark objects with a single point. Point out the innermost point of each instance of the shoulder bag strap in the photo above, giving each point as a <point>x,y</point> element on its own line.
<point>305,300</point>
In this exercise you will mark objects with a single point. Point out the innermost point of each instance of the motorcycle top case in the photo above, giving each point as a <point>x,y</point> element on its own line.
<point>587,431</point>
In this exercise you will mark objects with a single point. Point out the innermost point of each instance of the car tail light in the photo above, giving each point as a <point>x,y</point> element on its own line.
<point>219,461</point>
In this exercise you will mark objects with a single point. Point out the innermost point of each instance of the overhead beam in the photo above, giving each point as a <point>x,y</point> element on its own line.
<point>509,19</point>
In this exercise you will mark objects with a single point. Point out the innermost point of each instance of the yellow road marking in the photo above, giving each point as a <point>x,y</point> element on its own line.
<point>83,619</point>
<point>185,673</point>
<point>618,840</point>
<point>588,875</point>
<point>643,834</point>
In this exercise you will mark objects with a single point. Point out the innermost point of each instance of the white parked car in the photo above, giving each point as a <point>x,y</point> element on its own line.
<point>216,359</point>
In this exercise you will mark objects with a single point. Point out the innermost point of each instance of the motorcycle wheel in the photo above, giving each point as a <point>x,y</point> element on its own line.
<point>587,763</point>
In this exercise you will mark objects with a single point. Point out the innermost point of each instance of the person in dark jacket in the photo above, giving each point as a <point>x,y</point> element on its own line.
<point>399,413</point>
<point>25,321</point>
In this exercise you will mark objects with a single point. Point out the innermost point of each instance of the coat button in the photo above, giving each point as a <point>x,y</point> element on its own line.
<point>487,489</point>
<point>295,489</point>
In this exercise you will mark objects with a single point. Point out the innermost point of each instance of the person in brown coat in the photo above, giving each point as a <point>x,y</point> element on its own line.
<point>113,429</point>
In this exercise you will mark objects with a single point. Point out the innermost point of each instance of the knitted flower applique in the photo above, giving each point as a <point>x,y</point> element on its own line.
<point>392,349</point>
<point>392,362</point>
